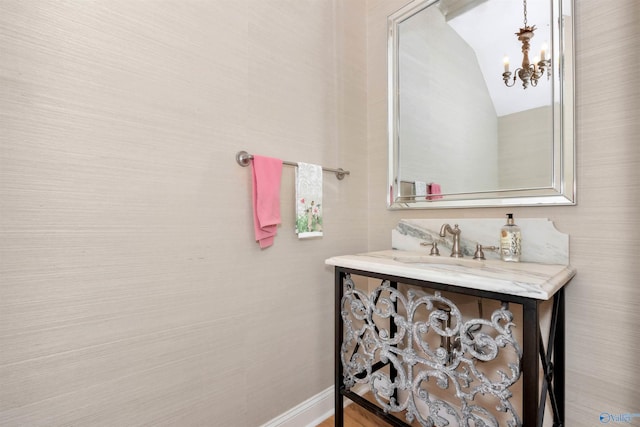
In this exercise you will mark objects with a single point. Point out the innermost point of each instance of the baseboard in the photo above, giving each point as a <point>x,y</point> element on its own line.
<point>309,413</point>
<point>312,411</point>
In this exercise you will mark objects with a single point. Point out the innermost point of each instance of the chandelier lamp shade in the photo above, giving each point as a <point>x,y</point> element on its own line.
<point>529,73</point>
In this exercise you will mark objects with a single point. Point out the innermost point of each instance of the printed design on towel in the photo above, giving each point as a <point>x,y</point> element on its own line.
<point>308,200</point>
<point>309,218</point>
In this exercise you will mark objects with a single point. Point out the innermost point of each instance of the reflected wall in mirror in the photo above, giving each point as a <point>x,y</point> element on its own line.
<point>459,136</point>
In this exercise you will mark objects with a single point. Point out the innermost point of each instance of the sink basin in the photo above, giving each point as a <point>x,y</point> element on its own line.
<point>417,258</point>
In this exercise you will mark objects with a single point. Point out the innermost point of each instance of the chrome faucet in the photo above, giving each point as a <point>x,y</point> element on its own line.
<point>455,233</point>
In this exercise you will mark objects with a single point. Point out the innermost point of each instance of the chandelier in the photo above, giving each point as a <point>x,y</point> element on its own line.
<point>529,73</point>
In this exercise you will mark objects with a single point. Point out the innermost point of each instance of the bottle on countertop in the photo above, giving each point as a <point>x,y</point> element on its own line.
<point>510,241</point>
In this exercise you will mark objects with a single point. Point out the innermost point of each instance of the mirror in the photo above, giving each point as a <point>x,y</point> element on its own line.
<point>462,131</point>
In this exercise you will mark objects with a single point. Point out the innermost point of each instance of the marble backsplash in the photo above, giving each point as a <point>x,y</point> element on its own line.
<point>541,241</point>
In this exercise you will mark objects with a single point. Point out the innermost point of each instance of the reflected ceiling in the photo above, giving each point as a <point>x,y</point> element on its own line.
<point>495,41</point>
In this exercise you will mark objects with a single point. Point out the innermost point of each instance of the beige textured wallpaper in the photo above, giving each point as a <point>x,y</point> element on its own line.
<point>603,320</point>
<point>524,150</point>
<point>132,291</point>
<point>427,102</point>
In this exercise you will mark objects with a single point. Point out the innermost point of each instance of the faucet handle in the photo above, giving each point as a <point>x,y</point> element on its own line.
<point>479,254</point>
<point>434,248</point>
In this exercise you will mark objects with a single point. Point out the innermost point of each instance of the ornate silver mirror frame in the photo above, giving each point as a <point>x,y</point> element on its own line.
<point>561,188</point>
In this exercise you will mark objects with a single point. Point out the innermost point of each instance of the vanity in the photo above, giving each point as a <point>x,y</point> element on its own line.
<point>434,340</point>
<point>424,340</point>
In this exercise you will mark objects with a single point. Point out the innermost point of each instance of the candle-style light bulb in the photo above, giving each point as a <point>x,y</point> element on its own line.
<point>535,63</point>
<point>543,50</point>
<point>506,63</point>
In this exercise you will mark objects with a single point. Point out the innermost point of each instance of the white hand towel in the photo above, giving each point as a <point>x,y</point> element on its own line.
<point>308,200</point>
<point>421,188</point>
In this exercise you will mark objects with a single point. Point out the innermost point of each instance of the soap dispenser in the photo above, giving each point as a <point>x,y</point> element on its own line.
<point>510,241</point>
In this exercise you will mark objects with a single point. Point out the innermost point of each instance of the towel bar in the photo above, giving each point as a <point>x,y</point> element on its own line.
<point>244,159</point>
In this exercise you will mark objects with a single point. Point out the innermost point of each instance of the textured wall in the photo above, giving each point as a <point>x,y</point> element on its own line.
<point>603,337</point>
<point>132,291</point>
<point>427,102</point>
<point>525,149</point>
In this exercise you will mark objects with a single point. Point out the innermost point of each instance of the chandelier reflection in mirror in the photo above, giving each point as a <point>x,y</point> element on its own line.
<point>529,73</point>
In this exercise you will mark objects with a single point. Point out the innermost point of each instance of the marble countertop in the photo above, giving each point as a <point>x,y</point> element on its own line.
<point>525,279</point>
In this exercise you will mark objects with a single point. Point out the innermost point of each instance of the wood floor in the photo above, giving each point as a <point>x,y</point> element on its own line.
<point>355,416</point>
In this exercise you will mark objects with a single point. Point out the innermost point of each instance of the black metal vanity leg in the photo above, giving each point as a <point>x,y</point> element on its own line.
<point>338,399</point>
<point>530,364</point>
<point>393,372</point>
<point>558,356</point>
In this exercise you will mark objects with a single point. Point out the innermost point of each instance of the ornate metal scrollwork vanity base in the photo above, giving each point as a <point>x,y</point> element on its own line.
<point>408,347</point>
<point>436,359</point>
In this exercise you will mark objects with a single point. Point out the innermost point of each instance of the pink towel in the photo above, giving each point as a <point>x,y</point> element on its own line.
<point>267,173</point>
<point>434,191</point>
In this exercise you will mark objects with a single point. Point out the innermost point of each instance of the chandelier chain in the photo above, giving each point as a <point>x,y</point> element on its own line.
<point>525,13</point>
